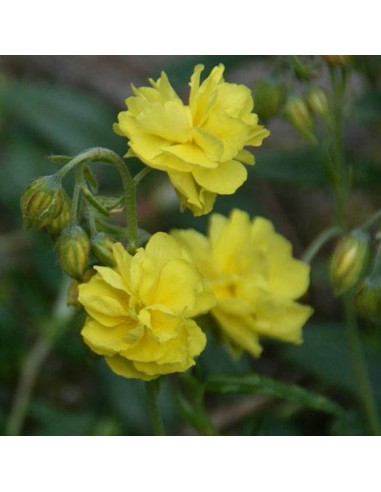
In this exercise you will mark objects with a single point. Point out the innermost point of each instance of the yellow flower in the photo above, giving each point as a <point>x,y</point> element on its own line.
<point>139,312</point>
<point>254,277</point>
<point>200,145</point>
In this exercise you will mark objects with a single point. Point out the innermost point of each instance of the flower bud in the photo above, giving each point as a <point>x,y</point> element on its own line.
<point>367,299</point>
<point>101,246</point>
<point>269,97</point>
<point>317,101</point>
<point>73,248</point>
<point>41,202</point>
<point>57,225</point>
<point>299,116</point>
<point>349,260</point>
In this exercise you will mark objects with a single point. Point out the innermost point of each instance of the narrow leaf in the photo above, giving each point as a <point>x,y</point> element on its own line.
<point>60,159</point>
<point>256,383</point>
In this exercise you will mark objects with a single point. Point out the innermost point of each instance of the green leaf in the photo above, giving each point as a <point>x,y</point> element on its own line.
<point>256,383</point>
<point>92,200</point>
<point>109,202</point>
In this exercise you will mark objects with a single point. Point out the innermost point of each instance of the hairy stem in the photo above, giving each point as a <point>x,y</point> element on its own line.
<point>106,156</point>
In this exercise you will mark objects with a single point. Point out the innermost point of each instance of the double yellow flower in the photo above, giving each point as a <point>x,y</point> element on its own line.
<point>200,145</point>
<point>139,313</point>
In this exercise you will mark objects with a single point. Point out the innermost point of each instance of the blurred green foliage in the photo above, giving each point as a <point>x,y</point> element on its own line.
<point>76,394</point>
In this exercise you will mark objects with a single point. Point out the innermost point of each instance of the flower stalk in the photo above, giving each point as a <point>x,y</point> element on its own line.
<point>102,155</point>
<point>319,242</point>
<point>359,365</point>
<point>153,388</point>
<point>339,78</point>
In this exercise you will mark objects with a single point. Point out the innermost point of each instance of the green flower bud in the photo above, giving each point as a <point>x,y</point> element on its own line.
<point>57,225</point>
<point>269,97</point>
<point>101,246</point>
<point>41,202</point>
<point>367,299</point>
<point>317,101</point>
<point>349,260</point>
<point>299,116</point>
<point>73,248</point>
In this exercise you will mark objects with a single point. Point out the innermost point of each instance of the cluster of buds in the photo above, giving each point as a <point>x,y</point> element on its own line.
<point>300,111</point>
<point>46,205</point>
<point>273,97</point>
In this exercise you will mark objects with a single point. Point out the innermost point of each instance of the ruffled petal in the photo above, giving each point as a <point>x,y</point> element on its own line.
<point>102,302</point>
<point>124,367</point>
<point>191,154</point>
<point>170,121</point>
<point>223,180</point>
<point>106,340</point>
<point>237,329</point>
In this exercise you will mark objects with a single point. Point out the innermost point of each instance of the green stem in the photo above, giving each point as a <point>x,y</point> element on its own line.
<point>359,365</point>
<point>321,240</point>
<point>92,223</point>
<point>339,82</point>
<point>152,388</point>
<point>106,156</point>
<point>29,372</point>
<point>141,174</point>
<point>93,202</point>
<point>76,196</point>
<point>35,360</point>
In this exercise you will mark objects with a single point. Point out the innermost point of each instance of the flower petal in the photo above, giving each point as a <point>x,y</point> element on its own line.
<point>111,277</point>
<point>170,121</point>
<point>237,329</point>
<point>282,320</point>
<point>105,340</point>
<point>123,367</point>
<point>102,302</point>
<point>191,154</point>
<point>224,180</point>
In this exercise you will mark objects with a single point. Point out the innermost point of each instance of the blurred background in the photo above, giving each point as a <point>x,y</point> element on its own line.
<point>65,104</point>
